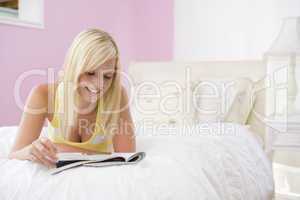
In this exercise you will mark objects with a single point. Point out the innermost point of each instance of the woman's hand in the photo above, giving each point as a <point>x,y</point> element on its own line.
<point>42,151</point>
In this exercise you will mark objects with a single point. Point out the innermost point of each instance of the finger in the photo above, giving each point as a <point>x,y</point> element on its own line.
<point>47,151</point>
<point>34,158</point>
<point>39,155</point>
<point>40,159</point>
<point>49,144</point>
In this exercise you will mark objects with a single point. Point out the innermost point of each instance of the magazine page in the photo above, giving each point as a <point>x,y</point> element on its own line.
<point>132,157</point>
<point>98,157</point>
<point>69,166</point>
<point>136,157</point>
<point>82,156</point>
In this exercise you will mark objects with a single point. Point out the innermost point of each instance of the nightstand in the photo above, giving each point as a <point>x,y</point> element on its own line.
<point>282,134</point>
<point>282,145</point>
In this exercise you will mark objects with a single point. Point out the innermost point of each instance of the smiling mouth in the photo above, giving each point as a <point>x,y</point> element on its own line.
<point>92,90</point>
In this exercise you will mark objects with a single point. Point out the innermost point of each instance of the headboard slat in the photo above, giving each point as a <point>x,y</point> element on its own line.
<point>181,72</point>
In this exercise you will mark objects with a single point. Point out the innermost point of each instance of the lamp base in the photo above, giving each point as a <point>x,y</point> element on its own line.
<point>296,106</point>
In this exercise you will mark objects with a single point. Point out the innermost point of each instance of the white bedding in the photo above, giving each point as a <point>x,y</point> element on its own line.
<point>199,166</point>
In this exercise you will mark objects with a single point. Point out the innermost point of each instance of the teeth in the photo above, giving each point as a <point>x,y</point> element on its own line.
<point>92,90</point>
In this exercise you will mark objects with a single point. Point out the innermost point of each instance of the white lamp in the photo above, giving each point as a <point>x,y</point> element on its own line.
<point>284,53</point>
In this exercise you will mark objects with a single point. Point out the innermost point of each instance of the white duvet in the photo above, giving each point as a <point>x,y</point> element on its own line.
<point>194,165</point>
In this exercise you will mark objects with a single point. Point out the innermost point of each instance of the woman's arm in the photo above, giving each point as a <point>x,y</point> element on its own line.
<point>124,139</point>
<point>32,118</point>
<point>32,121</point>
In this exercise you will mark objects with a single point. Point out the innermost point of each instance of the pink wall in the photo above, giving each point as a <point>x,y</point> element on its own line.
<point>143,30</point>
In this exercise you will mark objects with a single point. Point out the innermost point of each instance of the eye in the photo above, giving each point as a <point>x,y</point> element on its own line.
<point>90,73</point>
<point>107,77</point>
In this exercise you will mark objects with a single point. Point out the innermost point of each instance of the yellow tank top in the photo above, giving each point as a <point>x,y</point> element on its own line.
<point>99,141</point>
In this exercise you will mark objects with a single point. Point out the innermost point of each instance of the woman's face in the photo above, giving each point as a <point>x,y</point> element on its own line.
<point>94,84</point>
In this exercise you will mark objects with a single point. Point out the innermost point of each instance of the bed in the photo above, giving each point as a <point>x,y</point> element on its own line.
<point>212,160</point>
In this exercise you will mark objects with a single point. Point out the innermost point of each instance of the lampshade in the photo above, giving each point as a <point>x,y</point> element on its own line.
<point>288,39</point>
<point>285,52</point>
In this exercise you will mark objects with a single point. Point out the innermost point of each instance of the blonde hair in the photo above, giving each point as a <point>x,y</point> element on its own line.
<point>89,49</point>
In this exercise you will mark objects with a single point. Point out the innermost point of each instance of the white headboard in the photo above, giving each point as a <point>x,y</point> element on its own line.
<point>176,71</point>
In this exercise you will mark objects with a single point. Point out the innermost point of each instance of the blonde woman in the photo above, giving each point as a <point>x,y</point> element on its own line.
<point>87,108</point>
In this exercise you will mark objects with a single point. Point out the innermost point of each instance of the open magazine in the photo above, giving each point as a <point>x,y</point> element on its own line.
<point>71,160</point>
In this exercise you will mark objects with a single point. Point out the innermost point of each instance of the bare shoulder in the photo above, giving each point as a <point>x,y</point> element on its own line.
<point>44,91</point>
<point>42,98</point>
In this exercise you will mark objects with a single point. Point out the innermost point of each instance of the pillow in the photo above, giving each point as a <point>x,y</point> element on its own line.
<point>222,100</point>
<point>242,103</point>
<point>164,104</point>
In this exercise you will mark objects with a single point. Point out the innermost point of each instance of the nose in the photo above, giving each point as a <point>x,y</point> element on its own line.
<point>96,84</point>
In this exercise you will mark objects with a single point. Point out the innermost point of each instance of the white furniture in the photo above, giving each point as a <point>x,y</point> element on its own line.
<point>287,181</point>
<point>282,134</point>
<point>282,138</point>
<point>30,13</point>
<point>283,60</point>
<point>282,145</point>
